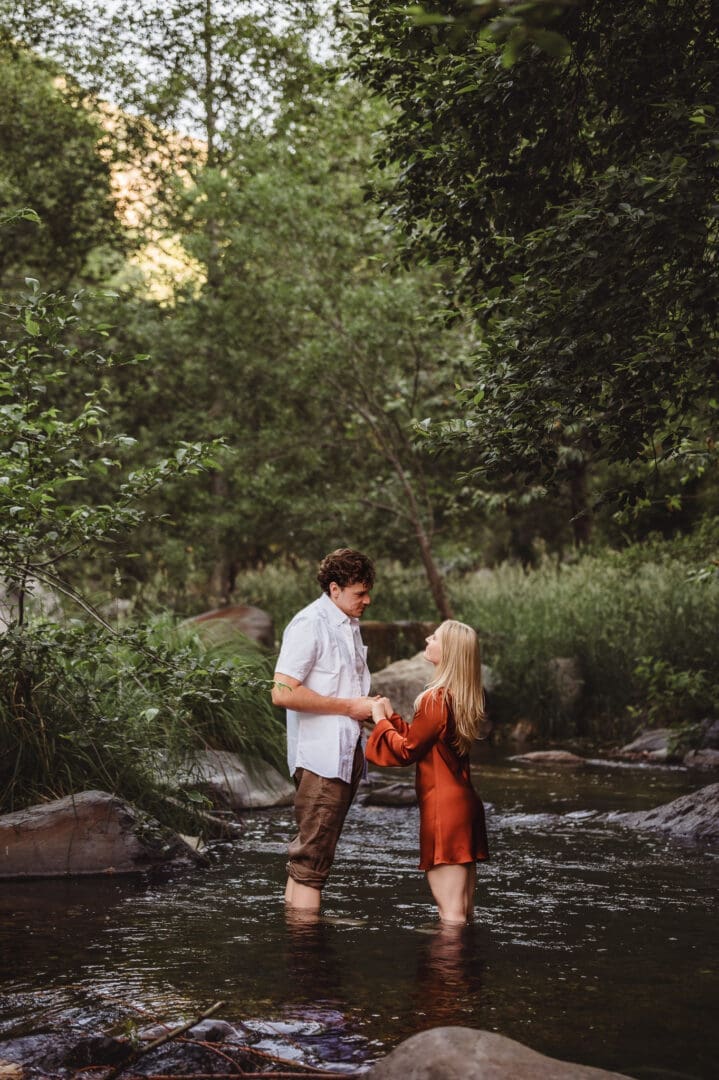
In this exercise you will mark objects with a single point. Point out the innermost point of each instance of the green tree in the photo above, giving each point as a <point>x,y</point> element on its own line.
<point>310,358</point>
<point>50,457</point>
<point>576,196</point>
<point>53,157</point>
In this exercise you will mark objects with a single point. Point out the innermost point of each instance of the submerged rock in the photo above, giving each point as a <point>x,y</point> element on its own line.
<point>456,1053</point>
<point>89,833</point>
<point>550,757</point>
<point>398,794</point>
<point>693,817</point>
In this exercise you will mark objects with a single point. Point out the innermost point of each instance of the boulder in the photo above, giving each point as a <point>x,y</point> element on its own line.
<point>458,1053</point>
<point>702,759</point>
<point>566,682</point>
<point>693,817</point>
<point>404,680</point>
<point>650,745</point>
<point>550,757</point>
<point>710,734</point>
<point>222,624</point>
<point>237,783</point>
<point>89,833</point>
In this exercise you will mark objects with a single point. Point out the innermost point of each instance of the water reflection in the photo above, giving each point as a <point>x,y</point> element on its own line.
<point>449,976</point>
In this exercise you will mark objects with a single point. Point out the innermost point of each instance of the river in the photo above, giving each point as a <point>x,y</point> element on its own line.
<point>591,944</point>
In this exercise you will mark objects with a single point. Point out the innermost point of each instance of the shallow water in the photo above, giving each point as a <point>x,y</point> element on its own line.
<point>592,944</point>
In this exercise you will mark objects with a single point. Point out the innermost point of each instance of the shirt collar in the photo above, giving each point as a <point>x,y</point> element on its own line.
<point>334,614</point>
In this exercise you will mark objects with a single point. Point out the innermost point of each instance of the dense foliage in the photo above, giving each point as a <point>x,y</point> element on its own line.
<point>576,196</point>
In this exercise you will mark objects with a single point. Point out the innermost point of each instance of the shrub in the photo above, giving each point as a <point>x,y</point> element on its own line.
<point>79,709</point>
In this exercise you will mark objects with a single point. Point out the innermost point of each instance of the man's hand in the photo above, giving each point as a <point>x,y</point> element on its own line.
<point>360,708</point>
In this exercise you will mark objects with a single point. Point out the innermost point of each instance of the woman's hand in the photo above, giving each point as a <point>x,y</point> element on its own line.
<point>381,709</point>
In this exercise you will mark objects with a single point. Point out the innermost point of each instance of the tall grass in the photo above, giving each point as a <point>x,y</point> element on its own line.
<point>641,623</point>
<point>81,710</point>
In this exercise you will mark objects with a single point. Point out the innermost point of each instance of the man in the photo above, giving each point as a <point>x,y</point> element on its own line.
<point>322,679</point>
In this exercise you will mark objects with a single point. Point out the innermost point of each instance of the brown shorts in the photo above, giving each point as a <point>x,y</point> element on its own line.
<point>321,806</point>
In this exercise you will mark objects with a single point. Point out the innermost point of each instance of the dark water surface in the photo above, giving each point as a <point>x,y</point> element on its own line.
<point>591,944</point>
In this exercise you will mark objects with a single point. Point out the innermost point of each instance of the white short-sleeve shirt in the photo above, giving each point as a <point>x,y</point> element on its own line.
<point>322,648</point>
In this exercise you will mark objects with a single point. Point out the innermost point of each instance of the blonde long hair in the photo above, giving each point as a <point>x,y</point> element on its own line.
<point>459,673</point>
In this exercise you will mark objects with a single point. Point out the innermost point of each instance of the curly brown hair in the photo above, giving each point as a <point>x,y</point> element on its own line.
<point>346,567</point>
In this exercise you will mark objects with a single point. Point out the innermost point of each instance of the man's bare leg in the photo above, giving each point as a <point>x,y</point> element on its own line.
<point>302,896</point>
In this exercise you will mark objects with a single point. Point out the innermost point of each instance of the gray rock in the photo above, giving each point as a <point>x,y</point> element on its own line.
<point>89,833</point>
<point>237,783</point>
<point>566,681</point>
<point>459,1053</point>
<point>391,795</point>
<point>222,624</point>
<point>702,759</point>
<point>550,757</point>
<point>710,734</point>
<point>654,742</point>
<point>693,817</point>
<point>403,681</point>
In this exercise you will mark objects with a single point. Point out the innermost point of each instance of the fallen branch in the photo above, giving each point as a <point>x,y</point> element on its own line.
<point>120,1069</point>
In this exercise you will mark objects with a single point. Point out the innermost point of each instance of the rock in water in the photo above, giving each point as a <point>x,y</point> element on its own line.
<point>652,744</point>
<point>550,757</point>
<point>89,833</point>
<point>693,817</point>
<point>391,795</point>
<point>702,759</point>
<point>236,782</point>
<point>458,1053</point>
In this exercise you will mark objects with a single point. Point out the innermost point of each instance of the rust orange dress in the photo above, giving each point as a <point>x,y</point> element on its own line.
<point>451,815</point>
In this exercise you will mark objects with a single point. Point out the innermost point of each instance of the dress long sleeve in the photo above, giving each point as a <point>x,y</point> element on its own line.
<point>395,742</point>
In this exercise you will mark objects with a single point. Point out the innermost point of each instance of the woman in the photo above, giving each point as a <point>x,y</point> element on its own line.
<point>448,717</point>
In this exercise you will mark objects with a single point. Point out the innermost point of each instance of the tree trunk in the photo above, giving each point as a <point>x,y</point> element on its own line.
<point>434,577</point>
<point>581,513</point>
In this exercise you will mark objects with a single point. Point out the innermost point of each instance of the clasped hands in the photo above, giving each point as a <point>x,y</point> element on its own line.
<point>368,710</point>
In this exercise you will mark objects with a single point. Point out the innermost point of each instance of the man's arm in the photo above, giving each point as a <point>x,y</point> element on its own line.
<point>291,694</point>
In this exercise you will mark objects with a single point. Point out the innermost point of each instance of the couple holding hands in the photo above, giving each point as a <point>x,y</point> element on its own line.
<point>323,682</point>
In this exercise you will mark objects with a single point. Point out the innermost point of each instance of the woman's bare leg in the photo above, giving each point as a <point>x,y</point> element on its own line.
<point>471,885</point>
<point>450,889</point>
